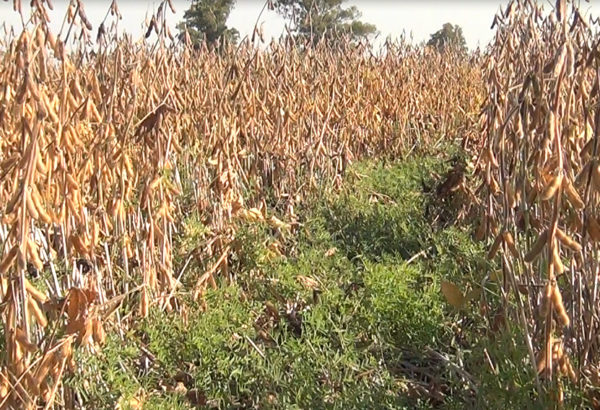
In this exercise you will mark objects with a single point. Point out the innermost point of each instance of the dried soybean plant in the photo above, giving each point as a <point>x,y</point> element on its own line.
<point>104,151</point>
<point>540,174</point>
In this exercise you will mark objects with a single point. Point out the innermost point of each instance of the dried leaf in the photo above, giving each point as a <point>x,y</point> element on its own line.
<point>453,294</point>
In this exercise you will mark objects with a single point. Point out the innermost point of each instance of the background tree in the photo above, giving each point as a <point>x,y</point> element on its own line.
<point>207,19</point>
<point>327,19</point>
<point>449,36</point>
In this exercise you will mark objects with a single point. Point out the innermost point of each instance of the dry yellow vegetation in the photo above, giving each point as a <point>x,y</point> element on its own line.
<point>540,180</point>
<point>106,145</point>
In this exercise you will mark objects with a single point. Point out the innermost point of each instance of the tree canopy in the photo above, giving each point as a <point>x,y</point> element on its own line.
<point>449,36</point>
<point>323,19</point>
<point>206,19</point>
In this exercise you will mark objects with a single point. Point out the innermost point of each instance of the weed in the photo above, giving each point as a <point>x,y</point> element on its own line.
<point>350,317</point>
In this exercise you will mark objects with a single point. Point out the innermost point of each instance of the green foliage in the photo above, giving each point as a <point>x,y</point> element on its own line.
<point>397,316</point>
<point>384,212</point>
<point>370,329</point>
<point>323,19</point>
<point>510,384</point>
<point>448,37</point>
<point>206,19</point>
<point>117,374</point>
<point>455,253</point>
